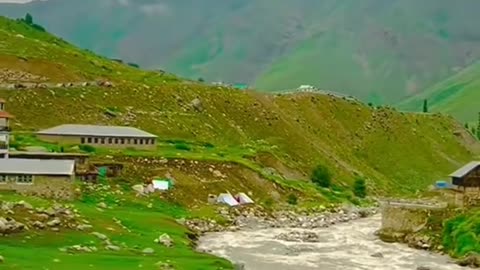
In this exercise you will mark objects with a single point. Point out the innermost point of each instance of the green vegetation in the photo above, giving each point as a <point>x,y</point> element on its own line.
<point>360,187</point>
<point>144,219</point>
<point>322,176</point>
<point>425,106</point>
<point>457,96</point>
<point>292,199</point>
<point>461,234</point>
<point>242,141</point>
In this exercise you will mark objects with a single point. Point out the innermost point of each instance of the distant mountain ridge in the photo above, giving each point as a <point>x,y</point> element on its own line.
<point>380,51</point>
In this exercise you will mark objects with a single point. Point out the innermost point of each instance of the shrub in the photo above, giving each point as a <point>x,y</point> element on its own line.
<point>182,146</point>
<point>87,148</point>
<point>321,176</point>
<point>360,187</point>
<point>292,199</point>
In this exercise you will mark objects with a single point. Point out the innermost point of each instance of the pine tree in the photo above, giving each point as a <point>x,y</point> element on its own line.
<point>425,106</point>
<point>29,19</point>
<point>478,127</point>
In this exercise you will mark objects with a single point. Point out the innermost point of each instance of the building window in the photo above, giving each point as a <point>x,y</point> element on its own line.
<point>135,141</point>
<point>3,179</point>
<point>122,141</point>
<point>110,140</point>
<point>152,141</point>
<point>102,140</point>
<point>127,141</point>
<point>24,179</point>
<point>95,140</point>
<point>89,140</point>
<point>141,141</point>
<point>82,140</point>
<point>116,140</point>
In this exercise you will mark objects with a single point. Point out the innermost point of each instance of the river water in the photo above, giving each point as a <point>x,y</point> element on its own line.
<point>346,246</point>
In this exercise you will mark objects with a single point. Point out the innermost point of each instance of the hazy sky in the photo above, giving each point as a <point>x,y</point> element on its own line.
<point>15,1</point>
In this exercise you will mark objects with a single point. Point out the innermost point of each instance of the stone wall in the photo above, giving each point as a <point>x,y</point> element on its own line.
<point>56,187</point>
<point>402,219</point>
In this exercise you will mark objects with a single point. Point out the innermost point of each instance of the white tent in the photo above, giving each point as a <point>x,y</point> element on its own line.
<point>227,198</point>
<point>161,184</point>
<point>243,198</point>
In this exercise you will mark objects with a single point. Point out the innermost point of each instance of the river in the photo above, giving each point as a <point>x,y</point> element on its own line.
<point>347,246</point>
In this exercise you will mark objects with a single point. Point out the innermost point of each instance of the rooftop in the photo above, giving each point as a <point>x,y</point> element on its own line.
<point>465,169</point>
<point>37,166</point>
<point>93,130</point>
<point>4,114</point>
<point>47,154</point>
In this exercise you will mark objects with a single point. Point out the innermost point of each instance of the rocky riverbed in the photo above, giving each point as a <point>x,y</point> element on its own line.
<point>328,241</point>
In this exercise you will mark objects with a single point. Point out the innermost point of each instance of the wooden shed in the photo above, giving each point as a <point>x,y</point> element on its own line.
<point>468,176</point>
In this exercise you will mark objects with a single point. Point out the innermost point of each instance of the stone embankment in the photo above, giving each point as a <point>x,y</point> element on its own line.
<point>255,217</point>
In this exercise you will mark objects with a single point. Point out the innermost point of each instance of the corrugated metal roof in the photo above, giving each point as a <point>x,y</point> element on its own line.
<point>93,130</point>
<point>37,166</point>
<point>465,169</point>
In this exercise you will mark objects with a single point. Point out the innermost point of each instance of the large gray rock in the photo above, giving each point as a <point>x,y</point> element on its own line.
<point>197,104</point>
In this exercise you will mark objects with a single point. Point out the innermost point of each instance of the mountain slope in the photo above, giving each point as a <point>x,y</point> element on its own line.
<point>291,131</point>
<point>211,140</point>
<point>381,51</point>
<point>457,96</point>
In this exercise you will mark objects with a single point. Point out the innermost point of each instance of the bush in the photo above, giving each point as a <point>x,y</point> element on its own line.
<point>182,146</point>
<point>87,148</point>
<point>321,176</point>
<point>360,188</point>
<point>292,199</point>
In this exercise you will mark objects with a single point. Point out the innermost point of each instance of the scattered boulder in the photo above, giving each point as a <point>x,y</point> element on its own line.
<point>54,222</point>
<point>38,224</point>
<point>197,104</point>
<point>84,227</point>
<point>100,236</point>
<point>102,205</point>
<point>112,248</point>
<point>2,259</point>
<point>299,236</point>
<point>165,240</point>
<point>148,251</point>
<point>377,255</point>
<point>23,204</point>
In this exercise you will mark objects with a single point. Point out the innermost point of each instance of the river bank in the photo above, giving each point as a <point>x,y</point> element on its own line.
<point>347,245</point>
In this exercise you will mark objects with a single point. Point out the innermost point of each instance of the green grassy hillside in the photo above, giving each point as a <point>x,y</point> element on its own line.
<point>457,96</point>
<point>363,48</point>
<point>227,140</point>
<point>300,130</point>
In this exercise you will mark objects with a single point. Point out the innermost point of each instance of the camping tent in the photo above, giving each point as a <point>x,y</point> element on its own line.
<point>243,198</point>
<point>227,198</point>
<point>162,184</point>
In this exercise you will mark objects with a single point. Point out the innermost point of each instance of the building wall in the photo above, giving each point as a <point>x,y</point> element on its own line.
<point>116,141</point>
<point>56,187</point>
